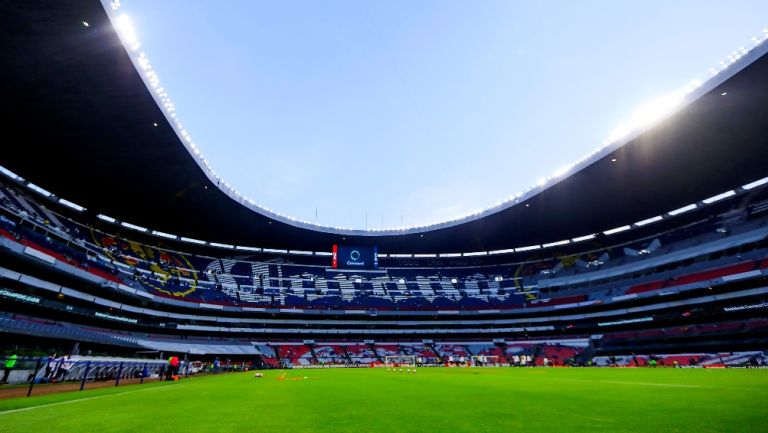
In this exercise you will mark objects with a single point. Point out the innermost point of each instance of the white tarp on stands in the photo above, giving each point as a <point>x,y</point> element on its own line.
<point>200,349</point>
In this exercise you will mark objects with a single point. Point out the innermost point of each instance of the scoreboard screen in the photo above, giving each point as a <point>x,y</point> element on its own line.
<point>347,257</point>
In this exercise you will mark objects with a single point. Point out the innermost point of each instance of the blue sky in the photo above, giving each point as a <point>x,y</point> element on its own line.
<point>418,111</point>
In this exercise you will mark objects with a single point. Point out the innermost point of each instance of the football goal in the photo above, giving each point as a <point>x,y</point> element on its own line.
<point>485,361</point>
<point>400,361</point>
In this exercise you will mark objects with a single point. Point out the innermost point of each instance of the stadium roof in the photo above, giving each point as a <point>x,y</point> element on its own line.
<point>81,122</point>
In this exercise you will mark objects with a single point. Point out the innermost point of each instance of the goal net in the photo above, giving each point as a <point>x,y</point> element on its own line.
<point>400,361</point>
<point>485,361</point>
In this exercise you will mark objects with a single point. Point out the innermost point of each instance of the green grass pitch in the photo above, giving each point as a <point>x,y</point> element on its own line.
<point>432,400</point>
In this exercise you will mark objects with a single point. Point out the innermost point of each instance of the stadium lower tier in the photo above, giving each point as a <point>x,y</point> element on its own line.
<point>730,343</point>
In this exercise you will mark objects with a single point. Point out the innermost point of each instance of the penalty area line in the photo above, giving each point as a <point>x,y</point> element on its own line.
<point>77,400</point>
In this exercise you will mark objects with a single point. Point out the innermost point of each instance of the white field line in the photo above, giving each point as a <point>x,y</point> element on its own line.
<point>5,412</point>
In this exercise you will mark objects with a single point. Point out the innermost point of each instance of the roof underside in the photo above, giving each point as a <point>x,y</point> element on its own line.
<point>82,120</point>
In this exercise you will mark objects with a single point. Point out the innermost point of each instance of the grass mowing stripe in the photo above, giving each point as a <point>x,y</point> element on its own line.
<point>40,406</point>
<point>616,382</point>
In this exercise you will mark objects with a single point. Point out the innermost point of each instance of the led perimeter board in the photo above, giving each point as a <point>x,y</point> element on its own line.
<point>346,257</point>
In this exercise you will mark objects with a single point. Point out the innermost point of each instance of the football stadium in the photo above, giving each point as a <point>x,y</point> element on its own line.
<point>141,292</point>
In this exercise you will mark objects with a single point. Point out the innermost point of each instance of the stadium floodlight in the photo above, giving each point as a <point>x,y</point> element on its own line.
<point>163,234</point>
<point>507,251</point>
<point>108,219</point>
<point>133,226</point>
<point>649,220</point>
<point>584,238</point>
<point>300,252</point>
<point>476,253</point>
<point>678,211</point>
<point>556,244</point>
<point>528,248</point>
<point>562,171</point>
<point>71,205</point>
<point>219,245</point>
<point>244,248</point>
<point>38,189</point>
<point>423,256</point>
<point>9,173</point>
<point>277,251</point>
<point>450,254</point>
<point>657,109</point>
<point>192,240</point>
<point>617,230</point>
<point>756,183</point>
<point>719,197</point>
<point>126,30</point>
<point>618,133</point>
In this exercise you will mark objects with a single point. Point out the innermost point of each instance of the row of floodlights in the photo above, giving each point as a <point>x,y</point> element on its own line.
<point>643,118</point>
<point>40,190</point>
<point>608,232</point>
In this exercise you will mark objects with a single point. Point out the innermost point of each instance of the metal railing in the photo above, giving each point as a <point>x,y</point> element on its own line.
<point>82,370</point>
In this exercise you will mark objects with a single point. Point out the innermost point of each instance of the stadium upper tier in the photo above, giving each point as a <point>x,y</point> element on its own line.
<point>83,85</point>
<point>700,249</point>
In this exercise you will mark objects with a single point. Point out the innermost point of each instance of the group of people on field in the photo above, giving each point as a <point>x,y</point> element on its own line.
<point>56,367</point>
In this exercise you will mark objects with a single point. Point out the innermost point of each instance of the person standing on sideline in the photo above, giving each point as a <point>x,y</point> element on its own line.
<point>10,363</point>
<point>65,364</point>
<point>174,361</point>
<point>50,367</point>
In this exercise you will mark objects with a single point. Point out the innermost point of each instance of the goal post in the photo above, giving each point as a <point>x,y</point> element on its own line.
<point>400,361</point>
<point>485,361</point>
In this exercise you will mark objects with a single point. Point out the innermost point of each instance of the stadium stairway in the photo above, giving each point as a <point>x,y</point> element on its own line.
<point>468,349</point>
<point>431,346</point>
<point>277,356</point>
<point>375,352</point>
<point>504,353</point>
<point>537,353</point>
<point>314,361</point>
<point>259,268</point>
<point>347,358</point>
<point>588,353</point>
